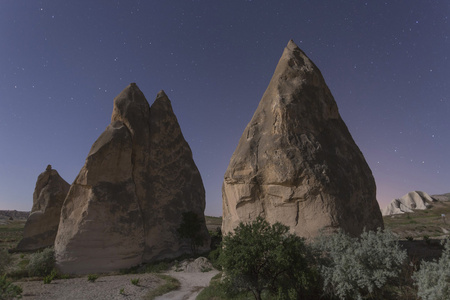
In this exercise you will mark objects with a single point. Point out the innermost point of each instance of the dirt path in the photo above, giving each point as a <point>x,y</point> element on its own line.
<point>191,284</point>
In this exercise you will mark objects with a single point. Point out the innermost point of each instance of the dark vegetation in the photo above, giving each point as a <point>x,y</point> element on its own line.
<point>190,229</point>
<point>262,261</point>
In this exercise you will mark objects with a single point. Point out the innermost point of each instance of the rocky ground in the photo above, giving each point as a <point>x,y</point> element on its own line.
<point>193,276</point>
<point>107,287</point>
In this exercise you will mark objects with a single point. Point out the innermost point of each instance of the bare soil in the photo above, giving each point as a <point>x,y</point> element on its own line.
<point>104,288</point>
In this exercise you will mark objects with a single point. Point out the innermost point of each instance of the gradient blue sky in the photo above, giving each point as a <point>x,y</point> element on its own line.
<point>63,62</point>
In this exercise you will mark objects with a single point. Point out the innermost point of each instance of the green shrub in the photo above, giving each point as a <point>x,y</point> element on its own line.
<point>261,257</point>
<point>427,240</point>
<point>190,229</point>
<point>214,258</point>
<point>360,268</point>
<point>49,278</point>
<point>41,263</point>
<point>135,281</point>
<point>9,290</point>
<point>433,278</point>
<point>216,238</point>
<point>92,277</point>
<point>410,238</point>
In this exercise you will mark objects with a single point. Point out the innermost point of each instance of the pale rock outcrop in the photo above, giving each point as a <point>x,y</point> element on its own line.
<point>42,224</point>
<point>441,197</point>
<point>408,203</point>
<point>125,205</point>
<point>296,162</point>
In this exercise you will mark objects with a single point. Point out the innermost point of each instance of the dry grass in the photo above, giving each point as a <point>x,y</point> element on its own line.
<point>421,223</point>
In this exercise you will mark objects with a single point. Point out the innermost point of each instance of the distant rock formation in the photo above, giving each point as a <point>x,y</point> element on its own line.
<point>42,224</point>
<point>442,197</point>
<point>407,203</point>
<point>126,203</point>
<point>296,161</point>
<point>16,215</point>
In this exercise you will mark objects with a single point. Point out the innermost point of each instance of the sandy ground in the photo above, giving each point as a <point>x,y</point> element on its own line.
<point>193,275</point>
<point>192,283</point>
<point>104,288</point>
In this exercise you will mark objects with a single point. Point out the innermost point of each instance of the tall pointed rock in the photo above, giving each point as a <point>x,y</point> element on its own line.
<point>42,224</point>
<point>296,162</point>
<point>176,184</point>
<point>126,203</point>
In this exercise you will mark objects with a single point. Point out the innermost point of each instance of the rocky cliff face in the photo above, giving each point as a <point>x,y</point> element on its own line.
<point>296,161</point>
<point>42,224</point>
<point>126,203</point>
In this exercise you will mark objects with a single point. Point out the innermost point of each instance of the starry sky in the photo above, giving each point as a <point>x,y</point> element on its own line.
<point>63,62</point>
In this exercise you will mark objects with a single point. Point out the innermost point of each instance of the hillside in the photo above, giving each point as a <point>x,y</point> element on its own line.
<point>422,223</point>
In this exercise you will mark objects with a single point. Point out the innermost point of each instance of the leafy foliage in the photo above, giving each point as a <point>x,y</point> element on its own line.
<point>190,228</point>
<point>433,278</point>
<point>259,256</point>
<point>9,290</point>
<point>360,268</point>
<point>92,277</point>
<point>41,263</point>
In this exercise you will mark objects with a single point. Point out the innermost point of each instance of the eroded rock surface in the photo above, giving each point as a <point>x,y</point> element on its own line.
<point>296,161</point>
<point>407,203</point>
<point>125,205</point>
<point>42,224</point>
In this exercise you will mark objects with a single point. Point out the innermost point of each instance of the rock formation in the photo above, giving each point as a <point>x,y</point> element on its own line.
<point>42,224</point>
<point>407,203</point>
<point>441,197</point>
<point>126,203</point>
<point>296,161</point>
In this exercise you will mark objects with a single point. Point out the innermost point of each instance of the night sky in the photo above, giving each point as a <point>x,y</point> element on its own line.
<point>63,62</point>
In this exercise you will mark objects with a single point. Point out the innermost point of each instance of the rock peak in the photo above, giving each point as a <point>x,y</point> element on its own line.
<point>292,45</point>
<point>127,201</point>
<point>161,94</point>
<point>296,162</point>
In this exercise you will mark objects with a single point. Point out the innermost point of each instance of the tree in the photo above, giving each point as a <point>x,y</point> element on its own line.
<point>190,229</point>
<point>360,268</point>
<point>433,278</point>
<point>259,256</point>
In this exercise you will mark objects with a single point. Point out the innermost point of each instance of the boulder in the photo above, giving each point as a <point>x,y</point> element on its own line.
<point>296,162</point>
<point>42,224</point>
<point>408,203</point>
<point>126,203</point>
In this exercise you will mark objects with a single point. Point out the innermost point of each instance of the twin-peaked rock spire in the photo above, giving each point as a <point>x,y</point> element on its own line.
<point>126,203</point>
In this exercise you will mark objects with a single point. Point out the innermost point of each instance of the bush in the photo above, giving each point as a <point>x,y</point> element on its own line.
<point>216,238</point>
<point>433,278</point>
<point>135,281</point>
<point>49,278</point>
<point>260,256</point>
<point>190,229</point>
<point>360,268</point>
<point>92,277</point>
<point>41,263</point>
<point>9,290</point>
